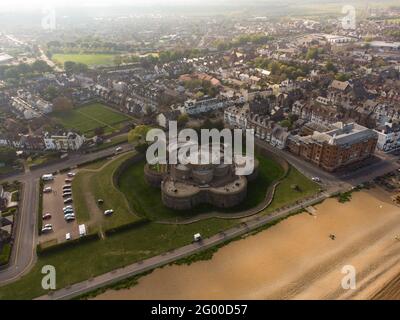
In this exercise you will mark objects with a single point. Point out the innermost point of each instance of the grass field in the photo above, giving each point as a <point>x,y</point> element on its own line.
<point>88,186</point>
<point>146,200</point>
<point>87,118</point>
<point>91,60</point>
<point>90,259</point>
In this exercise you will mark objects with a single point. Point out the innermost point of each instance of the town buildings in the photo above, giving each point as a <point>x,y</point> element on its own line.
<point>388,137</point>
<point>68,141</point>
<point>331,150</point>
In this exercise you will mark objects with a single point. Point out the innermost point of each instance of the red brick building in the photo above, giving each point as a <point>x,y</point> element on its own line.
<point>346,144</point>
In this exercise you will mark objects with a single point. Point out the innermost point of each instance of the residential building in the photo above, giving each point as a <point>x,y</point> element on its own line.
<point>388,137</point>
<point>69,141</point>
<point>331,150</point>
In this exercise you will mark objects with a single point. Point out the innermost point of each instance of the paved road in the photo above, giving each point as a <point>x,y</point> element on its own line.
<point>23,255</point>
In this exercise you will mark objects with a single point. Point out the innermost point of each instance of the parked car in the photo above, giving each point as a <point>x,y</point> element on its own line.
<point>68,236</point>
<point>69,217</point>
<point>69,200</point>
<point>46,216</point>
<point>316,179</point>
<point>47,190</point>
<point>67,186</point>
<point>108,212</point>
<point>69,211</point>
<point>71,174</point>
<point>48,177</point>
<point>67,207</point>
<point>47,228</point>
<point>118,150</point>
<point>68,180</point>
<point>67,194</point>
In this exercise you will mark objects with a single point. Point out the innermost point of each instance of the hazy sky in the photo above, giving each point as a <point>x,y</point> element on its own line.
<point>39,3</point>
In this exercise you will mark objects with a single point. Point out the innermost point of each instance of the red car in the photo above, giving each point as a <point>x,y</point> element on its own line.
<point>47,216</point>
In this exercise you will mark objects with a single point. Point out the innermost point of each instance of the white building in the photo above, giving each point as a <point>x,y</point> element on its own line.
<point>388,137</point>
<point>70,141</point>
<point>205,105</point>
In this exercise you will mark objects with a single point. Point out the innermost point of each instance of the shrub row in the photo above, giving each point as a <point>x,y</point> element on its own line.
<point>128,226</point>
<point>62,246</point>
<point>40,207</point>
<point>5,254</point>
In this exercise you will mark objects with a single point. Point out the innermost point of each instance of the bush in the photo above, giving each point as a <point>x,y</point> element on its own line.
<point>128,226</point>
<point>5,254</point>
<point>40,207</point>
<point>9,212</point>
<point>41,250</point>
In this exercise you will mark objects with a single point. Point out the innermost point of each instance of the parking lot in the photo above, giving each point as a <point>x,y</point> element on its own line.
<point>53,204</point>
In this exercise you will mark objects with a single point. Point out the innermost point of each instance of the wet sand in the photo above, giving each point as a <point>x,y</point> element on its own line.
<point>295,259</point>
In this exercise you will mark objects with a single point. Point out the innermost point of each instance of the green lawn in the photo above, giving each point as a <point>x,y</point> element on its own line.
<point>5,254</point>
<point>87,118</point>
<point>146,200</point>
<point>284,193</point>
<point>88,187</point>
<point>91,60</point>
<point>90,259</point>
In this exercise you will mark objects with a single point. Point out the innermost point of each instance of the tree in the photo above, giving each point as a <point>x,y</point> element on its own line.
<point>7,155</point>
<point>62,104</point>
<point>99,131</point>
<point>50,93</point>
<point>138,134</point>
<point>183,119</point>
<point>40,66</point>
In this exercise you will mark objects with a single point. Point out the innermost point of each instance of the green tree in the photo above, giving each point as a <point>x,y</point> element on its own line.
<point>138,134</point>
<point>7,155</point>
<point>183,119</point>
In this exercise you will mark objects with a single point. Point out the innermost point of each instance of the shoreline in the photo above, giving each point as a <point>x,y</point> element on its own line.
<point>294,259</point>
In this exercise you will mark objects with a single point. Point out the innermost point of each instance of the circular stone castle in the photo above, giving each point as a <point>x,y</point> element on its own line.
<point>185,186</point>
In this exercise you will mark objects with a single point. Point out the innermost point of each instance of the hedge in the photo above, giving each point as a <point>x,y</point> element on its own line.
<point>40,207</point>
<point>128,226</point>
<point>5,254</point>
<point>62,246</point>
<point>9,212</point>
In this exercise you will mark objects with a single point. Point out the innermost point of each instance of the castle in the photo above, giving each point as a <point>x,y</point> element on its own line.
<point>185,186</point>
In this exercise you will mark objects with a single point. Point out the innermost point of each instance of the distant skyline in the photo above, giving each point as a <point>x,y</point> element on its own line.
<point>21,4</point>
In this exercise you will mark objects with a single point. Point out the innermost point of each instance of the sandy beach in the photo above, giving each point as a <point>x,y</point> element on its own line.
<point>295,259</point>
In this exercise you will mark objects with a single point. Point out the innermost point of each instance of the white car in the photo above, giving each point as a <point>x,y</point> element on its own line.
<point>47,190</point>
<point>108,212</point>
<point>67,207</point>
<point>119,149</point>
<point>47,228</point>
<point>71,174</point>
<point>69,217</point>
<point>69,200</point>
<point>67,236</point>
<point>316,179</point>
